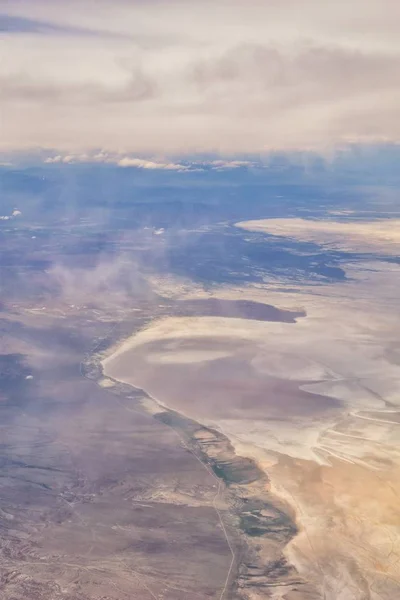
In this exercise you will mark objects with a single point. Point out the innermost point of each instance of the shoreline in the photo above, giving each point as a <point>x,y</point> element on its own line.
<point>310,491</point>
<point>277,528</point>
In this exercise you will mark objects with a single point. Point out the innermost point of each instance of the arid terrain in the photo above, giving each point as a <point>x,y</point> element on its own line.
<point>98,499</point>
<point>193,406</point>
<point>313,401</point>
<point>199,300</point>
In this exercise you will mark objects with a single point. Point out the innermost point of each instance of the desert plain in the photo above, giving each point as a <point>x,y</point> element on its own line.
<point>313,401</point>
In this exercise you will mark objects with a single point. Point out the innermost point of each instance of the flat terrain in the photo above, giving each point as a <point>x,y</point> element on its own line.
<point>194,409</point>
<point>314,403</point>
<point>98,499</point>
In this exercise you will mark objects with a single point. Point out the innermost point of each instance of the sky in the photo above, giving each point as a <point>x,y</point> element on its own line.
<point>161,78</point>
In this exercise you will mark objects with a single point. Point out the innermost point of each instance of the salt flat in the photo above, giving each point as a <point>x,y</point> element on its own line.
<point>315,402</point>
<point>359,236</point>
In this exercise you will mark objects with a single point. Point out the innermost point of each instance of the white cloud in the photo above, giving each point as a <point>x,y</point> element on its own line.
<point>112,158</point>
<point>230,164</point>
<point>74,158</point>
<point>149,164</point>
<point>15,213</point>
<point>180,77</point>
<point>53,159</point>
<point>146,163</point>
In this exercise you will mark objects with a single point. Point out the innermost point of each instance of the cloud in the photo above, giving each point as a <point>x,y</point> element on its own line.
<point>54,159</point>
<point>112,281</point>
<point>67,159</point>
<point>230,164</point>
<point>25,89</point>
<point>228,77</point>
<point>17,25</point>
<point>15,213</point>
<point>121,161</point>
<point>148,164</point>
<point>11,24</point>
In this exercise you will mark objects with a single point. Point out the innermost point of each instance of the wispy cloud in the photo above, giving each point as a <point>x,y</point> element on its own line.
<point>121,161</point>
<point>229,164</point>
<point>12,24</point>
<point>149,164</point>
<point>15,213</point>
<point>156,79</point>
